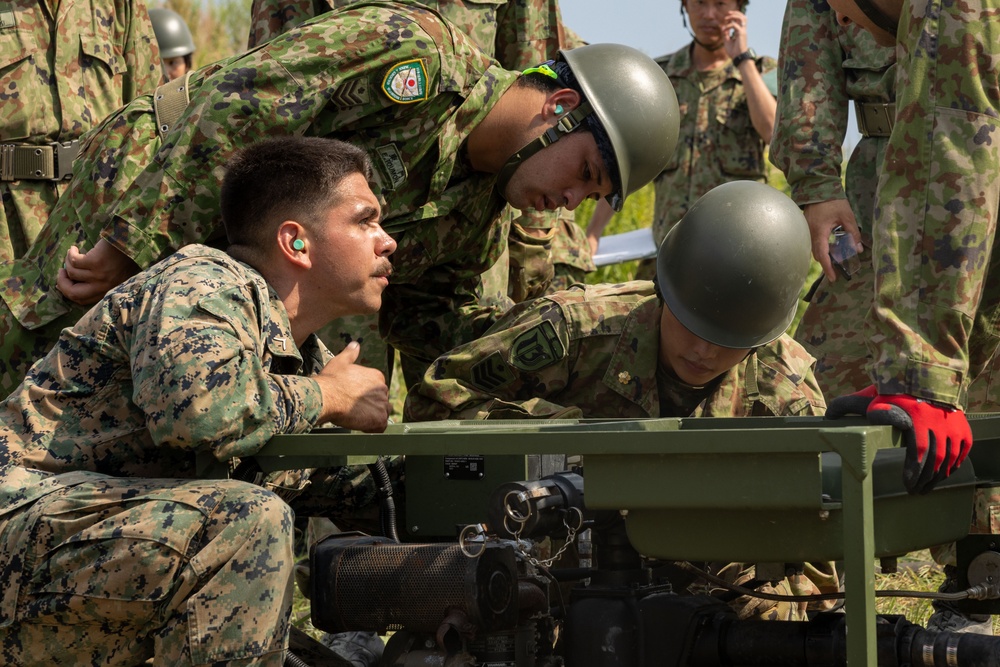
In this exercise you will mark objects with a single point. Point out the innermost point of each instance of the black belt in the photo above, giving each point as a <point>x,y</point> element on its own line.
<point>51,162</point>
<point>875,119</point>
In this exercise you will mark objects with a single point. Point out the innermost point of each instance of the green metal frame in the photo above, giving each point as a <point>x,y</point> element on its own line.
<point>661,469</point>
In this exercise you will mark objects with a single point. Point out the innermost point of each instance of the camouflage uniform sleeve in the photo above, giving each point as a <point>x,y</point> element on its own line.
<point>524,356</point>
<point>270,18</point>
<point>936,213</point>
<point>529,32</point>
<point>786,379</point>
<point>813,105</point>
<point>142,57</point>
<point>198,368</point>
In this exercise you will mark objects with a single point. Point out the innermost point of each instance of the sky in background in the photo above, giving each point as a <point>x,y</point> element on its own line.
<point>654,27</point>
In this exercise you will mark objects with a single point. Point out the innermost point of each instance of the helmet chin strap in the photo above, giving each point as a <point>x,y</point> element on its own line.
<point>566,124</point>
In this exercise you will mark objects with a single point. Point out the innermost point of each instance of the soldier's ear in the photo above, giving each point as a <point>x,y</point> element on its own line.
<point>293,243</point>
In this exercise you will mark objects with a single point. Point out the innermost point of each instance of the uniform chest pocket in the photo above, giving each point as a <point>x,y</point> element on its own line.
<point>99,51</point>
<point>740,149</point>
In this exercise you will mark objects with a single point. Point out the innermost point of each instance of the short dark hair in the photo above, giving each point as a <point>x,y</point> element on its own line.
<point>284,178</point>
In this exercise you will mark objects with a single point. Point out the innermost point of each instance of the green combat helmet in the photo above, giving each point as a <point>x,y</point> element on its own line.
<point>731,270</point>
<point>172,34</point>
<point>633,103</point>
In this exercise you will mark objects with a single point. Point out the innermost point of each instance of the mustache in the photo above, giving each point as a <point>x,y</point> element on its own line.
<point>385,270</point>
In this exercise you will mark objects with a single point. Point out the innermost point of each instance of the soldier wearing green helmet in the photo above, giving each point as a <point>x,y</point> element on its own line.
<point>438,116</point>
<point>709,342</point>
<point>711,346</point>
<point>726,95</point>
<point>175,41</point>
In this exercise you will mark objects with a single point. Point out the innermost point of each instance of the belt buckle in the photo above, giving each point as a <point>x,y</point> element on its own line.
<point>64,152</point>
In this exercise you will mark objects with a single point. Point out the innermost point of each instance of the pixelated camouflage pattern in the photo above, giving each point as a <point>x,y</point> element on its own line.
<point>717,141</point>
<point>178,361</point>
<point>63,68</point>
<point>323,79</point>
<point>182,572</point>
<point>936,212</point>
<point>593,350</point>
<point>191,360</point>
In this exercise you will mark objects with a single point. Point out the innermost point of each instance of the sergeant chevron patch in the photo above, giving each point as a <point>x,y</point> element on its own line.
<point>491,373</point>
<point>351,93</point>
<point>406,82</point>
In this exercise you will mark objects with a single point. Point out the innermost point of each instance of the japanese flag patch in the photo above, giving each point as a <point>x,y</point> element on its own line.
<point>406,82</point>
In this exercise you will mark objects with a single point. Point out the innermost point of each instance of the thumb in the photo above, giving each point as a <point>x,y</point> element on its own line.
<point>348,355</point>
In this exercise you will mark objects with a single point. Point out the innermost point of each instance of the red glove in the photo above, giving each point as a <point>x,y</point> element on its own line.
<point>937,438</point>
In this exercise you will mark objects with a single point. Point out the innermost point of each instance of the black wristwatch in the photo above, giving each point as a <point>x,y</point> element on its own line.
<point>749,54</point>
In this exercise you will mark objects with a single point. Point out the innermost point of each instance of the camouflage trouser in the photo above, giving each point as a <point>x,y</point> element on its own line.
<point>815,578</point>
<point>20,347</point>
<point>116,571</point>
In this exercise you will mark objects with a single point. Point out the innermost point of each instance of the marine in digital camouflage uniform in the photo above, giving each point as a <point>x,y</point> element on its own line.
<point>112,550</point>
<point>719,141</point>
<point>547,249</point>
<point>623,351</point>
<point>823,67</point>
<point>63,68</point>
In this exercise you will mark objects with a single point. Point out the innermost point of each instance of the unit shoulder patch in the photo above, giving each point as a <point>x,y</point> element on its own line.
<point>406,82</point>
<point>536,348</point>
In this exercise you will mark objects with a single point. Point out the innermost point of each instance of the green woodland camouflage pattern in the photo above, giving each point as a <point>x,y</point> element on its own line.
<point>323,79</point>
<point>593,351</point>
<point>822,67</point>
<point>717,142</point>
<point>934,323</point>
<point>191,358</point>
<point>63,68</point>
<point>519,34</point>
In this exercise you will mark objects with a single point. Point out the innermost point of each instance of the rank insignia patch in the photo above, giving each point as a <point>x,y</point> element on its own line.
<point>491,373</point>
<point>406,83</point>
<point>536,348</point>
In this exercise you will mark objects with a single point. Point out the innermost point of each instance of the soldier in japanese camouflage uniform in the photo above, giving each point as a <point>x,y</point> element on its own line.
<point>64,66</point>
<point>452,136</point>
<point>726,95</point>
<point>933,325</point>
<point>112,550</point>
<point>548,250</point>
<point>823,66</point>
<point>904,225</point>
<point>703,345</point>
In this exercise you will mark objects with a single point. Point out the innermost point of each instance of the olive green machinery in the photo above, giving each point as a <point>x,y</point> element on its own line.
<point>771,491</point>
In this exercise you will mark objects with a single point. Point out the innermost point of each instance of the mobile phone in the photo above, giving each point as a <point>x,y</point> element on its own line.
<point>732,33</point>
<point>843,253</point>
